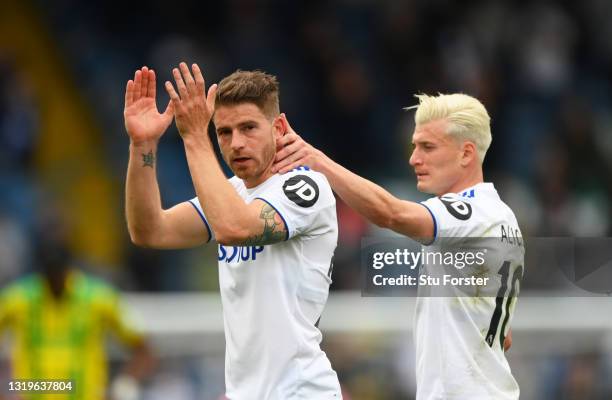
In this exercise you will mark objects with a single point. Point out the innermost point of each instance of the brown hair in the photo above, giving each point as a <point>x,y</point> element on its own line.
<point>255,87</point>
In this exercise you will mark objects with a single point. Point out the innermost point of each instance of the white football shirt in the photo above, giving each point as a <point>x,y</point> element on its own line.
<point>459,339</point>
<point>273,295</point>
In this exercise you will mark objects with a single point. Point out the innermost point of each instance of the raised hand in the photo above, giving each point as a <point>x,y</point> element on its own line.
<point>193,108</point>
<point>143,122</point>
<point>292,151</point>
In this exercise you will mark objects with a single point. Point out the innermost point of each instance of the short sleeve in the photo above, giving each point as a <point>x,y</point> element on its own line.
<point>451,214</point>
<point>196,204</point>
<point>304,200</point>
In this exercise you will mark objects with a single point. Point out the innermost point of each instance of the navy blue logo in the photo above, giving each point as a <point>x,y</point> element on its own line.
<point>236,253</point>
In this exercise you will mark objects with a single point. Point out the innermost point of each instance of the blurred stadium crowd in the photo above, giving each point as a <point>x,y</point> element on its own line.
<point>346,68</point>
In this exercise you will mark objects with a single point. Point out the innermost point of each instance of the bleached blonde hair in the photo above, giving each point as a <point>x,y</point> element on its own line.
<point>467,118</point>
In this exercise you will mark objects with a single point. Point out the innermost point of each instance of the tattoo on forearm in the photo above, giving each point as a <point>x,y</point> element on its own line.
<point>273,230</point>
<point>148,160</point>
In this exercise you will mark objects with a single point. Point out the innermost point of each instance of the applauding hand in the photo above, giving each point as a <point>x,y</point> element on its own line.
<point>143,122</point>
<point>193,109</point>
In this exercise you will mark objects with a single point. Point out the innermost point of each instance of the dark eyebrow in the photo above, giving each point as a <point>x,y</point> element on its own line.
<point>240,125</point>
<point>422,142</point>
<point>248,122</point>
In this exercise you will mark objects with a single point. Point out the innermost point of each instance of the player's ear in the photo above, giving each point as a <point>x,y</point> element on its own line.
<point>468,153</point>
<point>279,126</point>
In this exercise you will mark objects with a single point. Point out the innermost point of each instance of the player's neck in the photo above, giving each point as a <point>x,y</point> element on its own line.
<point>56,285</point>
<point>466,181</point>
<point>254,181</point>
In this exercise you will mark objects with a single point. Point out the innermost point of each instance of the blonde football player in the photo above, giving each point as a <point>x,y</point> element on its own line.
<point>460,340</point>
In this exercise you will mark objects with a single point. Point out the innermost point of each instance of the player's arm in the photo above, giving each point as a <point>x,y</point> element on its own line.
<point>149,225</point>
<point>508,340</point>
<point>367,198</point>
<point>232,220</point>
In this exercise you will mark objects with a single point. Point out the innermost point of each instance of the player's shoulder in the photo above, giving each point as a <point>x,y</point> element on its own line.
<point>297,173</point>
<point>22,287</point>
<point>97,284</point>
<point>306,187</point>
<point>485,200</point>
<point>451,205</point>
<point>92,287</point>
<point>481,199</point>
<point>16,296</point>
<point>306,171</point>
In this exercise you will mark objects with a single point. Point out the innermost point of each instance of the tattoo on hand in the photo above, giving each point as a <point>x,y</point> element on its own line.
<point>273,231</point>
<point>148,160</point>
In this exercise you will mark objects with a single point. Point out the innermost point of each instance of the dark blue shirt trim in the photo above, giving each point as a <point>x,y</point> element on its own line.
<point>435,224</point>
<point>203,219</point>
<point>281,215</point>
